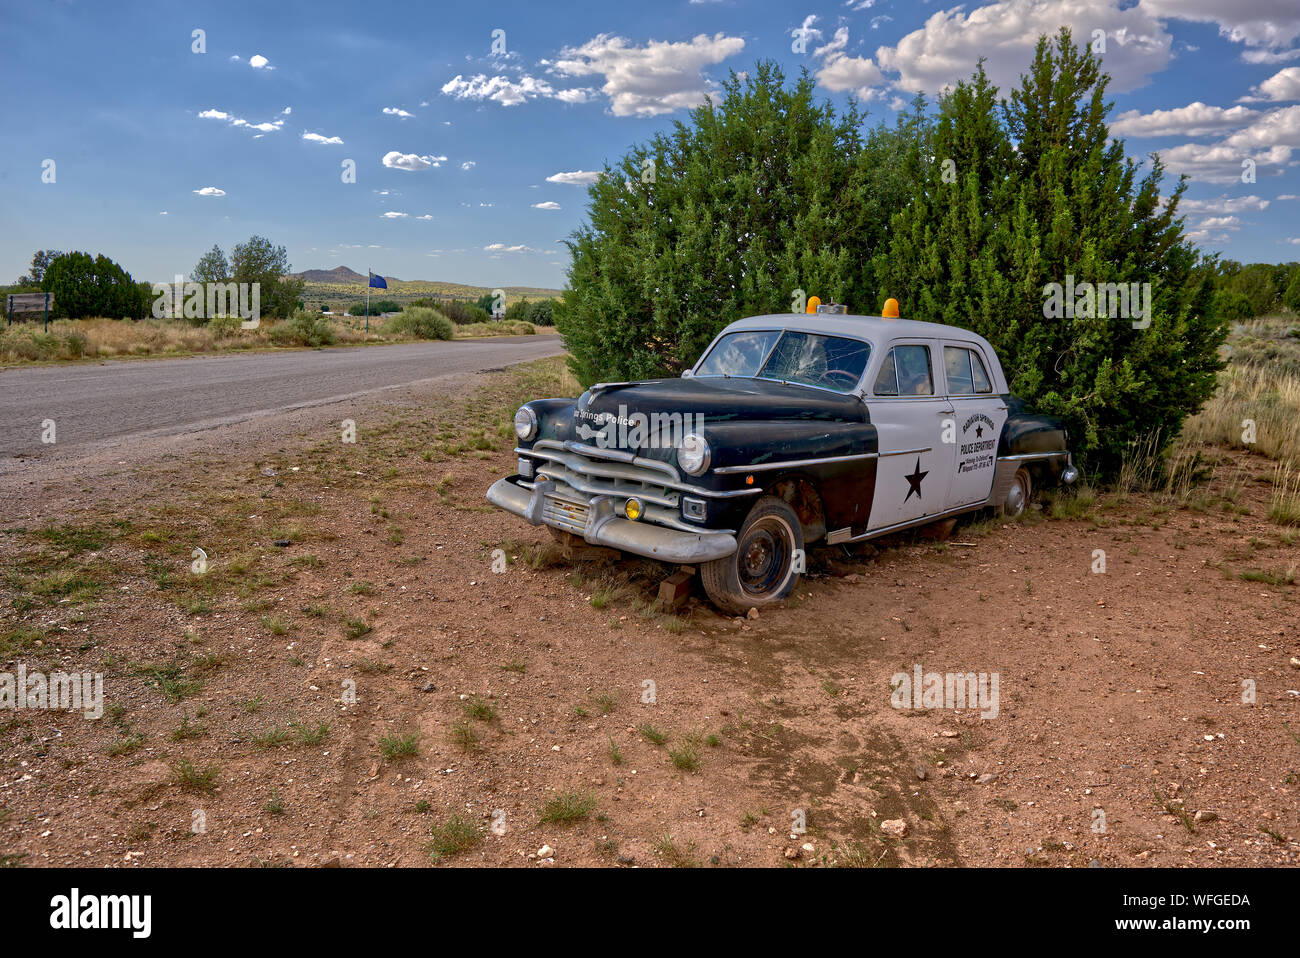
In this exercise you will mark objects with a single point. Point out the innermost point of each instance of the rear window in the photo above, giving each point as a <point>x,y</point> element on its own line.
<point>810,359</point>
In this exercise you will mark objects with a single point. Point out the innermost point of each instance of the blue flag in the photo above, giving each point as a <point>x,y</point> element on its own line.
<point>377,282</point>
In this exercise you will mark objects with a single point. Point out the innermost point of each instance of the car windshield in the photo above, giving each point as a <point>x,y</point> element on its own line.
<point>828,362</point>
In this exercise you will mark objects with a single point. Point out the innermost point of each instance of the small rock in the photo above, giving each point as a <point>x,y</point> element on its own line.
<point>792,853</point>
<point>894,826</point>
<point>986,779</point>
<point>283,543</point>
<point>1095,863</point>
<point>1205,815</point>
<point>920,771</point>
<point>430,687</point>
<point>807,846</point>
<point>1295,662</point>
<point>753,614</point>
<point>546,851</point>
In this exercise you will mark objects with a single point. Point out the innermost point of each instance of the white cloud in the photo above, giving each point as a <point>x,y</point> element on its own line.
<point>1268,57</point>
<point>259,62</point>
<point>325,140</point>
<point>1220,162</point>
<point>1281,86</point>
<point>806,31</point>
<point>1225,204</point>
<point>840,72</point>
<point>503,248</point>
<point>1195,119</point>
<point>396,111</point>
<point>392,215</point>
<point>239,121</point>
<point>411,161</point>
<point>286,111</point>
<point>548,205</point>
<point>426,216</point>
<point>947,47</point>
<point>468,165</point>
<point>1257,23</point>
<point>576,178</point>
<point>650,80</point>
<point>210,191</point>
<point>162,212</point>
<point>1220,222</point>
<point>498,89</point>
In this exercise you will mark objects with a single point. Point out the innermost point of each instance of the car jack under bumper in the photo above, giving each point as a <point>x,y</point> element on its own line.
<point>603,527</point>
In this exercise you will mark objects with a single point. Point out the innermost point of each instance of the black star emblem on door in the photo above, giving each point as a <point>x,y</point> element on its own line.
<point>979,432</point>
<point>914,480</point>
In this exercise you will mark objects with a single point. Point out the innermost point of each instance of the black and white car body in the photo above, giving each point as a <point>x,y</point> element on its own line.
<point>789,430</point>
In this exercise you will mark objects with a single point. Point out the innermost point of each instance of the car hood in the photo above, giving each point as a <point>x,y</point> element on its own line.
<point>615,410</point>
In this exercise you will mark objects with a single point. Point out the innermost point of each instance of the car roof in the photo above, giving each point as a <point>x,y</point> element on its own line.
<point>874,328</point>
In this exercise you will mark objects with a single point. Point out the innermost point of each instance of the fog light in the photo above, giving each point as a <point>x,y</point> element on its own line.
<point>693,508</point>
<point>632,509</point>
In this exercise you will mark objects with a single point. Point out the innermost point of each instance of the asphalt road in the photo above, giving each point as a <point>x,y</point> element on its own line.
<point>97,405</point>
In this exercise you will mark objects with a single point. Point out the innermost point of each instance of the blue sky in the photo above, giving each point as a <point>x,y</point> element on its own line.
<point>470,161</point>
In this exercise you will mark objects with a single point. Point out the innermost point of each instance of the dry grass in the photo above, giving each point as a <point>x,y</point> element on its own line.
<point>113,338</point>
<point>1261,386</point>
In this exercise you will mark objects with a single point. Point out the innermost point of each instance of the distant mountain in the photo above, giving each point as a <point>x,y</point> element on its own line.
<point>339,274</point>
<point>342,286</point>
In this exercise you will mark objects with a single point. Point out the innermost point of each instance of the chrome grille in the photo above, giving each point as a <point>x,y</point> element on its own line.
<point>565,514</point>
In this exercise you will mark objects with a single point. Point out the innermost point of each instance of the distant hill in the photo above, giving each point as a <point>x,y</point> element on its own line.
<point>339,274</point>
<point>342,286</point>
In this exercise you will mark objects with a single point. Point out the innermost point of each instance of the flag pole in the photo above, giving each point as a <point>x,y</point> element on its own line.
<point>367,300</point>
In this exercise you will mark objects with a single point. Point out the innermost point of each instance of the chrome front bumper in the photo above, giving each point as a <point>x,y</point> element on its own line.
<point>595,520</point>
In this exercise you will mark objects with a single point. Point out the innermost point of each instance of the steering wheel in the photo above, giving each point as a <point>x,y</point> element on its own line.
<point>850,378</point>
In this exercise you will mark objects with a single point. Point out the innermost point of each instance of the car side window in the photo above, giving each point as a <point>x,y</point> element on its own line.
<point>956,367</point>
<point>979,375</point>
<point>906,372</point>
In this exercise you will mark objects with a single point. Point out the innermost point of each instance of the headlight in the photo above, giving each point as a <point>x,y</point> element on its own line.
<point>525,423</point>
<point>694,454</point>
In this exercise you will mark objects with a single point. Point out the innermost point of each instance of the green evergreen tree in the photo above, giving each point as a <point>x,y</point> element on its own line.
<point>977,249</point>
<point>765,192</point>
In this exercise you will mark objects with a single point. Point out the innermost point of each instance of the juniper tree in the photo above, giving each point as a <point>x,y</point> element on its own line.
<point>763,193</point>
<point>1042,194</point>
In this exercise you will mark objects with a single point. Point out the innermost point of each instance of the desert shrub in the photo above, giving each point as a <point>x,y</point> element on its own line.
<point>499,328</point>
<point>224,327</point>
<point>32,343</point>
<point>540,313</point>
<point>421,322</point>
<point>1229,304</point>
<point>303,329</point>
<point>462,313</point>
<point>377,307</point>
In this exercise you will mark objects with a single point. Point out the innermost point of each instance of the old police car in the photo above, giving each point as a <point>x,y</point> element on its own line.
<point>790,429</point>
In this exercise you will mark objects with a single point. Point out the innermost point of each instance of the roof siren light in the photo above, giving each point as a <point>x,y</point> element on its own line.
<point>813,303</point>
<point>891,309</point>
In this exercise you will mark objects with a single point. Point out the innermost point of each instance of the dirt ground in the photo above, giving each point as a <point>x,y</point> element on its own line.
<point>550,707</point>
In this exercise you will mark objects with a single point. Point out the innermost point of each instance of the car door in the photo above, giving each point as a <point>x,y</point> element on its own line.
<point>978,415</point>
<point>908,410</point>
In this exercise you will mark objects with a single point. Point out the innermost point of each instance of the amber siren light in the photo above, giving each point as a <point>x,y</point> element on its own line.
<point>813,303</point>
<point>891,309</point>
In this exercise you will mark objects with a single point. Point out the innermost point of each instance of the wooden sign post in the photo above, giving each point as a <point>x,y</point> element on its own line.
<point>29,303</point>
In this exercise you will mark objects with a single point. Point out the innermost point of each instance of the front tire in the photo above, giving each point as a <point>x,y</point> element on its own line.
<point>761,570</point>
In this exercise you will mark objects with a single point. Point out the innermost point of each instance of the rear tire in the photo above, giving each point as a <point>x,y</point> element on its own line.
<point>761,570</point>
<point>1018,496</point>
